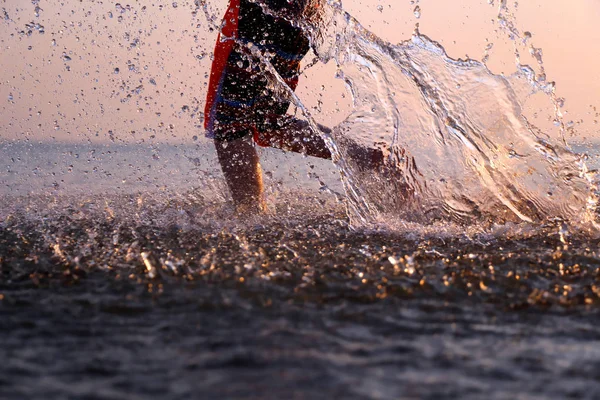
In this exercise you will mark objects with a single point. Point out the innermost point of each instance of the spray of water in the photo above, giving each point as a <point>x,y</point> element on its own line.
<point>457,144</point>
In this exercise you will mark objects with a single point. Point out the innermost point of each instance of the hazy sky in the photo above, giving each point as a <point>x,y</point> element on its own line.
<point>100,71</point>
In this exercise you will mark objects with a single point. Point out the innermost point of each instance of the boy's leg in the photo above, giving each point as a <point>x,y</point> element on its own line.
<point>292,134</point>
<point>241,168</point>
<point>295,135</point>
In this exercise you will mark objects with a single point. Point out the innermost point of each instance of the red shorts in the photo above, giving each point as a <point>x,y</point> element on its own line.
<point>239,101</point>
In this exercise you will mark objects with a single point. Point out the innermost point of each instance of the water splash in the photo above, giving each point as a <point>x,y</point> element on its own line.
<point>457,144</point>
<point>456,141</point>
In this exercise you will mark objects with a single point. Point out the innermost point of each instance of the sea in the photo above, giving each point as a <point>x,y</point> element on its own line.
<point>466,267</point>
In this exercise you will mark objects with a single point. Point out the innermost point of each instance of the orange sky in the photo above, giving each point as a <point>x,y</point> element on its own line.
<point>64,86</point>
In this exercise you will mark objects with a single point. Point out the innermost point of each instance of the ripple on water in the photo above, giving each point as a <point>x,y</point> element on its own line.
<point>327,308</point>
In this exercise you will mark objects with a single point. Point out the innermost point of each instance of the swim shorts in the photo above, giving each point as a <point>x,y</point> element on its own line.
<point>239,100</point>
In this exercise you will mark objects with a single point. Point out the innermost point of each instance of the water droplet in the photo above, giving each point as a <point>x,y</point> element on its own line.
<point>537,53</point>
<point>417,12</point>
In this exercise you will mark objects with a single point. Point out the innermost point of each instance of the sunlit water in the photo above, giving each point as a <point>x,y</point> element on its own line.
<point>455,136</point>
<point>467,267</point>
<point>167,295</point>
